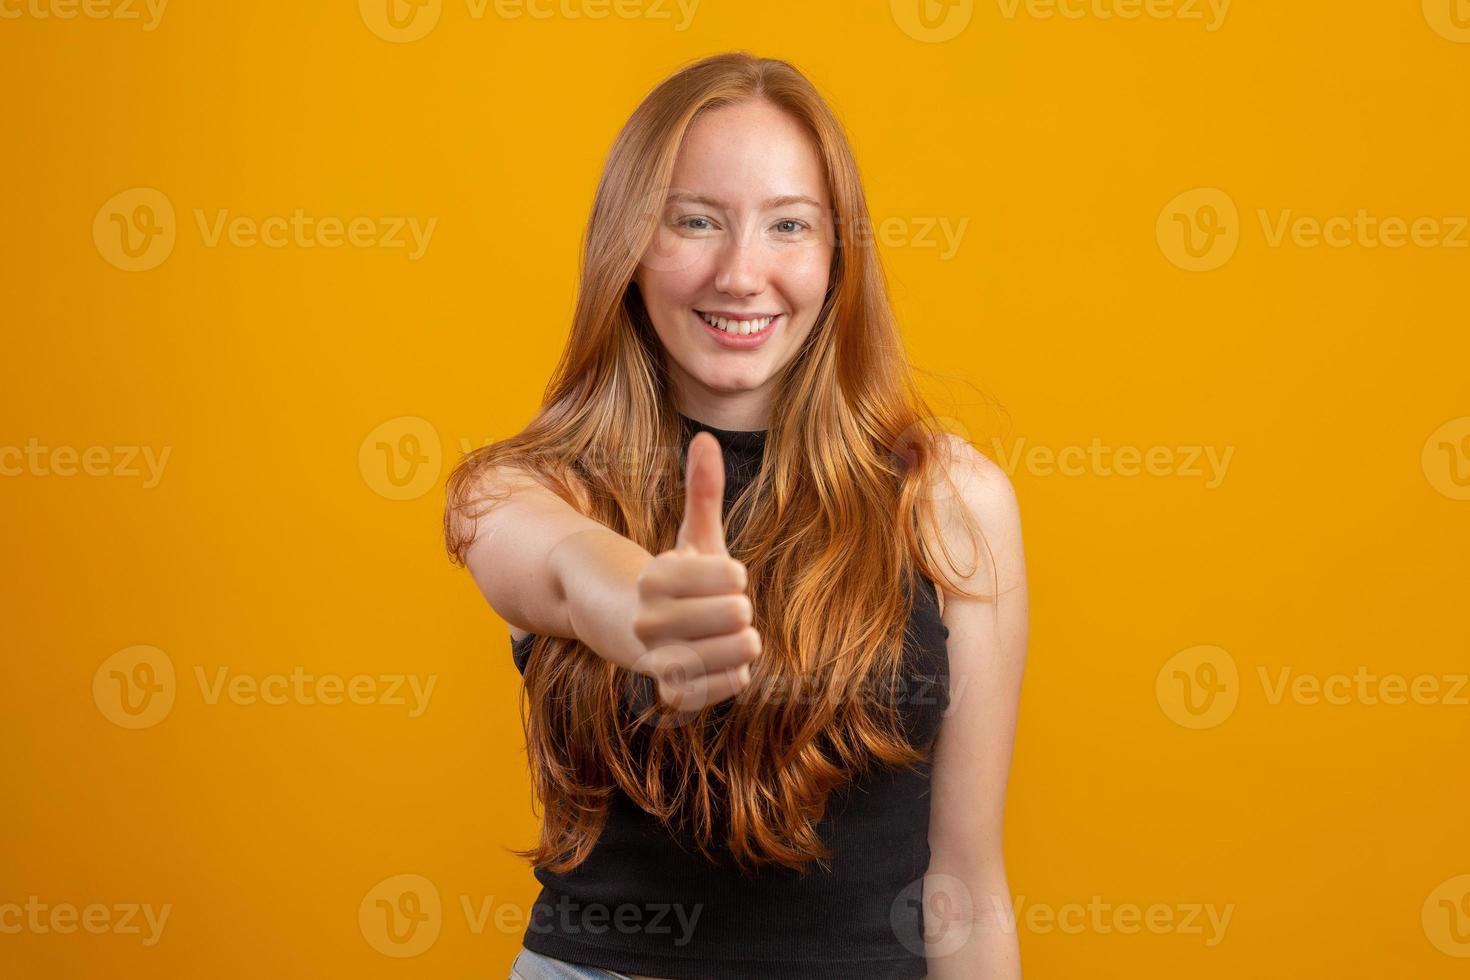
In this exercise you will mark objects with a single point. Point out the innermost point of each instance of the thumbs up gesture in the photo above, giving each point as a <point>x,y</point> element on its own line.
<point>693,616</point>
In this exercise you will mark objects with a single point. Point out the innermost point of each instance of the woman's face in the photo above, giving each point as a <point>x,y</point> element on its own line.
<point>745,236</point>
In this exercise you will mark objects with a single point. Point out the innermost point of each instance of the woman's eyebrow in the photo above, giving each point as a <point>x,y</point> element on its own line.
<point>776,202</point>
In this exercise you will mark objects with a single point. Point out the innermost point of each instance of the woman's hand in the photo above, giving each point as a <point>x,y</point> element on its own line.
<point>693,615</point>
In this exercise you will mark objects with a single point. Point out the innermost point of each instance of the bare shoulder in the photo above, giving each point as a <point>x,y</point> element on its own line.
<point>971,491</point>
<point>980,483</point>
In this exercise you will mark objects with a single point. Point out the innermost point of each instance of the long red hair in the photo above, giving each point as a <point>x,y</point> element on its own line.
<point>851,463</point>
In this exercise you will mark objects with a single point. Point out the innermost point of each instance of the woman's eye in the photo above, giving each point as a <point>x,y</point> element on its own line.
<point>698,222</point>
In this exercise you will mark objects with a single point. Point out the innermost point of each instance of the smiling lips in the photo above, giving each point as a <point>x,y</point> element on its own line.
<point>738,324</point>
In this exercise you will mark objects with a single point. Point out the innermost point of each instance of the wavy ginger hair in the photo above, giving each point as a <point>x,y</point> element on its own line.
<point>841,493</point>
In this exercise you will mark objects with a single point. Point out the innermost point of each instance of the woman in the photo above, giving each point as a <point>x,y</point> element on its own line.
<point>766,743</point>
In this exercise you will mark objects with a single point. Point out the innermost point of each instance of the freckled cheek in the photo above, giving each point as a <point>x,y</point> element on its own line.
<point>676,278</point>
<point>804,277</point>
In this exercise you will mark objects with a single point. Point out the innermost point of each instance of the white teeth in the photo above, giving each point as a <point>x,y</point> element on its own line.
<point>740,327</point>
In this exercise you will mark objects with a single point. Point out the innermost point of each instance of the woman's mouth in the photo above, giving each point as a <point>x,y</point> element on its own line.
<point>739,332</point>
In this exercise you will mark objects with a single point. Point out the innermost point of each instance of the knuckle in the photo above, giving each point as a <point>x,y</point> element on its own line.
<point>739,574</point>
<point>675,695</point>
<point>649,576</point>
<point>644,584</point>
<point>743,609</point>
<point>644,626</point>
<point>652,664</point>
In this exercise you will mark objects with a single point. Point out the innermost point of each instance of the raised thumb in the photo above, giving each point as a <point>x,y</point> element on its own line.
<point>702,531</point>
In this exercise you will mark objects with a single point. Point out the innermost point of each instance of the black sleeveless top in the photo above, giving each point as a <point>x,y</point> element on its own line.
<point>642,903</point>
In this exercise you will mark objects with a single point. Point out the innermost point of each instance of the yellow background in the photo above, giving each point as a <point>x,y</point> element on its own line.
<point>1335,542</point>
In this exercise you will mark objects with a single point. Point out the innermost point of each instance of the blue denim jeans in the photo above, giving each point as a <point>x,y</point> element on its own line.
<point>533,966</point>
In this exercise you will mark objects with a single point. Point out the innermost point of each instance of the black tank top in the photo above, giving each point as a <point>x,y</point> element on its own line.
<point>644,903</point>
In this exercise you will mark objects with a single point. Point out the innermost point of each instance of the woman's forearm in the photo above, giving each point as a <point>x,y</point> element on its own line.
<point>992,952</point>
<point>970,931</point>
<point>596,572</point>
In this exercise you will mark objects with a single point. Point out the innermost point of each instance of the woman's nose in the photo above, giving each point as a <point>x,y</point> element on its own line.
<point>742,266</point>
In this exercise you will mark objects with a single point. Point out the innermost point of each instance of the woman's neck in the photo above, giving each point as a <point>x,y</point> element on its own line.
<point>732,413</point>
<point>722,428</point>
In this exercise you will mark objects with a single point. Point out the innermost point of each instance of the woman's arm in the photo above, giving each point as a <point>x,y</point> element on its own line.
<point>546,568</point>
<point>970,930</point>
<point>681,617</point>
